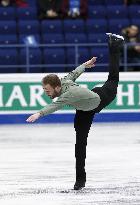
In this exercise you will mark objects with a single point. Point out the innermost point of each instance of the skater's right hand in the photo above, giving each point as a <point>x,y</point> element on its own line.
<point>33,117</point>
<point>90,63</point>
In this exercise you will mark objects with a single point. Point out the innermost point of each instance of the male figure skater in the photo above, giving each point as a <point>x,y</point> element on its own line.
<point>86,102</point>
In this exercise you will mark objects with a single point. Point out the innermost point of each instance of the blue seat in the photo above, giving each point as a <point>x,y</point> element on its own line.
<point>8,39</point>
<point>135,21</point>
<point>32,3</point>
<point>7,13</point>
<point>98,12</point>
<point>134,11</point>
<point>114,12</point>
<point>54,57</point>
<point>29,27</point>
<point>29,13</point>
<point>83,55</point>
<point>53,38</point>
<point>101,52</point>
<point>114,2</point>
<point>95,2</point>
<point>116,25</point>
<point>23,36</point>
<point>97,38</point>
<point>75,38</point>
<point>102,55</point>
<point>74,26</point>
<point>35,58</point>
<point>96,26</point>
<point>51,26</point>
<point>8,27</point>
<point>8,56</point>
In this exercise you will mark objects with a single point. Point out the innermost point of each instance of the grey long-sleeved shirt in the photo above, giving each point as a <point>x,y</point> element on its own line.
<point>73,94</point>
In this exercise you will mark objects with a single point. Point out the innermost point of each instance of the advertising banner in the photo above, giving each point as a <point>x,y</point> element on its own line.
<point>23,93</point>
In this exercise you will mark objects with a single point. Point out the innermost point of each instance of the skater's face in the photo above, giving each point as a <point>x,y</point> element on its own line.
<point>52,92</point>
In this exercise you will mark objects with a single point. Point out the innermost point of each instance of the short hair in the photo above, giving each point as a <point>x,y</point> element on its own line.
<point>51,79</point>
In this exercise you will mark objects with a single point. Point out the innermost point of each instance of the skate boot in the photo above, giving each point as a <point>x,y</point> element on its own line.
<point>80,180</point>
<point>79,184</point>
<point>115,41</point>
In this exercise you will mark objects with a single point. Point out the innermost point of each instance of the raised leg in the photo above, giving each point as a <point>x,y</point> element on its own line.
<point>115,43</point>
<point>108,91</point>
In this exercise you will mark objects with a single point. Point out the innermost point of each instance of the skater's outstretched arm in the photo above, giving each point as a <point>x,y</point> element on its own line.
<point>48,109</point>
<point>80,69</point>
<point>63,99</point>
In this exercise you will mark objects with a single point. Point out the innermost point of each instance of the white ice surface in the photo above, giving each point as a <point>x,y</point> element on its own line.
<point>37,165</point>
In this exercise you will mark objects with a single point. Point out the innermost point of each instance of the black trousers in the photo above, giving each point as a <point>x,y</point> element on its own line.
<point>83,119</point>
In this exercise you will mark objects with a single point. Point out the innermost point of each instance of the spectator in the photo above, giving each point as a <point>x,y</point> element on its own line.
<point>21,3</point>
<point>49,8</point>
<point>132,35</point>
<point>18,3</point>
<point>5,3</point>
<point>75,8</point>
<point>129,2</point>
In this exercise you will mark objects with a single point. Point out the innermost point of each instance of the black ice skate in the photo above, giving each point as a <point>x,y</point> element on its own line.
<point>79,185</point>
<point>115,41</point>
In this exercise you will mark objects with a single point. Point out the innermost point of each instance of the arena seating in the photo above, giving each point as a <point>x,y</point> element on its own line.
<point>77,26</point>
<point>17,23</point>
<point>51,26</point>
<point>54,56</point>
<point>7,13</point>
<point>53,38</point>
<point>8,58</point>
<point>35,58</point>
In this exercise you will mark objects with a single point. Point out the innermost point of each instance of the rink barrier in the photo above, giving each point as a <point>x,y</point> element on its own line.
<point>22,95</point>
<point>68,118</point>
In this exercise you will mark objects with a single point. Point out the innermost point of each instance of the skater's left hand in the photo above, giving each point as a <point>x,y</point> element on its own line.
<point>90,63</point>
<point>33,117</point>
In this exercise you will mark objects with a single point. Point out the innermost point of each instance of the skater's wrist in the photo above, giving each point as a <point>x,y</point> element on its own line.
<point>40,113</point>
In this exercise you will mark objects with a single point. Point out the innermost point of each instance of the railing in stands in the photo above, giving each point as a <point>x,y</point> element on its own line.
<point>124,59</point>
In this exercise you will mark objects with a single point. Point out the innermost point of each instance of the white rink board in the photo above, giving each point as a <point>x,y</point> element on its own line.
<point>92,76</point>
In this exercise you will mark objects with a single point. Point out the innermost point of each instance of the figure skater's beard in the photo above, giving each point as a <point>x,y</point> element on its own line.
<point>55,94</point>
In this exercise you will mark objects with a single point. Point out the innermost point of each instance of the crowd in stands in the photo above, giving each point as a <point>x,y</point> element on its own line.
<point>130,2</point>
<point>132,35</point>
<point>87,11</point>
<point>53,8</point>
<point>49,9</point>
<point>62,8</point>
<point>18,3</point>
